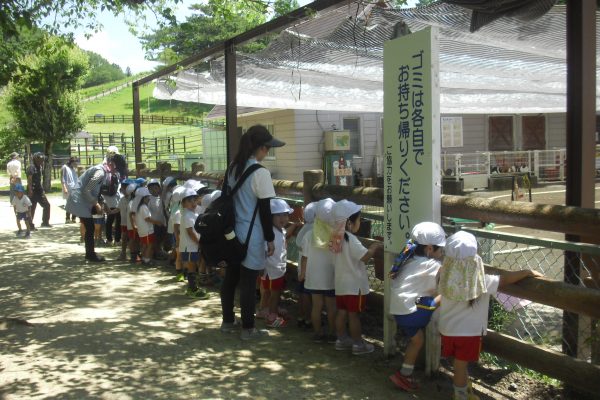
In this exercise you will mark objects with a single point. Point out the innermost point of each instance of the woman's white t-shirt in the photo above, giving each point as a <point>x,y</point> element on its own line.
<point>459,318</point>
<point>276,264</point>
<point>350,272</point>
<point>320,269</point>
<point>416,278</point>
<point>186,244</point>
<point>144,228</point>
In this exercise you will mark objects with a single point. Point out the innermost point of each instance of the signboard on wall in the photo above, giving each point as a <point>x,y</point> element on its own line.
<point>412,142</point>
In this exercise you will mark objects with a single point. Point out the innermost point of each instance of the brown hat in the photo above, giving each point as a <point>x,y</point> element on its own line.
<point>14,155</point>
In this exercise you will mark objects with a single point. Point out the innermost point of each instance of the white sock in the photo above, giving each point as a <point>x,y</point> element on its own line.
<point>460,393</point>
<point>407,369</point>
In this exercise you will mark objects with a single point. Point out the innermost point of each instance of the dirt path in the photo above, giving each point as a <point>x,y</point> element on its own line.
<point>72,330</point>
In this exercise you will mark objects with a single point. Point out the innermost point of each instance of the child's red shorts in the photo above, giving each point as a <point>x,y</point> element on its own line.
<point>351,303</point>
<point>132,234</point>
<point>273,284</point>
<point>147,239</point>
<point>124,230</point>
<point>464,348</point>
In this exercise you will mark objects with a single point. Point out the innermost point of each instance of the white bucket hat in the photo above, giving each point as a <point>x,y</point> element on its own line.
<point>142,192</point>
<point>279,206</point>
<point>189,192</point>
<point>310,211</point>
<point>324,211</point>
<point>462,276</point>
<point>343,209</point>
<point>193,184</point>
<point>130,188</point>
<point>429,233</point>
<point>177,194</point>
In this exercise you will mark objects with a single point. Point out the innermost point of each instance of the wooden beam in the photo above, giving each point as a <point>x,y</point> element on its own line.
<point>580,374</point>
<point>274,25</point>
<point>577,299</point>
<point>565,219</point>
<point>371,196</point>
<point>137,128</point>
<point>232,136</point>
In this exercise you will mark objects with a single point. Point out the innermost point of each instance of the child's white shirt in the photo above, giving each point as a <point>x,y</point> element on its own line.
<point>122,206</point>
<point>22,204</point>
<point>416,278</point>
<point>156,210</point>
<point>299,240</point>
<point>186,244</point>
<point>175,219</point>
<point>275,265</point>
<point>350,272</point>
<point>320,265</point>
<point>144,228</point>
<point>459,318</point>
<point>129,211</point>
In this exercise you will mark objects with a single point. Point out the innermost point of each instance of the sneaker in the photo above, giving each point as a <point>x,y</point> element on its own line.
<point>262,314</point>
<point>343,344</point>
<point>363,348</point>
<point>27,235</point>
<point>470,396</point>
<point>180,277</point>
<point>229,327</point>
<point>148,263</point>
<point>122,257</point>
<point>95,258</point>
<point>249,334</point>
<point>46,225</point>
<point>275,321</point>
<point>19,232</point>
<point>198,294</point>
<point>407,383</point>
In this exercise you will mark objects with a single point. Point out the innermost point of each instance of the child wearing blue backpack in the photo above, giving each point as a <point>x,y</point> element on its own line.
<point>413,288</point>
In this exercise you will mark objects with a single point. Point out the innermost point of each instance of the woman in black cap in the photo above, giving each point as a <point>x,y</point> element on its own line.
<point>84,198</point>
<point>255,193</point>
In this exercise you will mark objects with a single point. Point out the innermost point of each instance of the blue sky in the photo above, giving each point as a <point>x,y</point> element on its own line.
<point>119,46</point>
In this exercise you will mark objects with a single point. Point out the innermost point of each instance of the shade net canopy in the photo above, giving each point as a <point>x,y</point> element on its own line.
<point>334,61</point>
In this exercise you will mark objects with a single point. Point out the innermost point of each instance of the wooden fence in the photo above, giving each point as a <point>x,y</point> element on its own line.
<point>144,119</point>
<point>578,300</point>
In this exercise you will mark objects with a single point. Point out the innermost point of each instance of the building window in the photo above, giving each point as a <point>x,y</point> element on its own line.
<point>500,133</point>
<point>452,132</point>
<point>533,132</point>
<point>353,126</point>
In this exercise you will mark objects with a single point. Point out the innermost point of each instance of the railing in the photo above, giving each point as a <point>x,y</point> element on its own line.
<point>144,119</point>
<point>476,168</point>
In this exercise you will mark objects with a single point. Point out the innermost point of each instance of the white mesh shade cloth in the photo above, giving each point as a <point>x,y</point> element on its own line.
<point>335,62</point>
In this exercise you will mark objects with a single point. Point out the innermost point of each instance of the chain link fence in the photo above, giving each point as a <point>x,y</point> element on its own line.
<point>533,322</point>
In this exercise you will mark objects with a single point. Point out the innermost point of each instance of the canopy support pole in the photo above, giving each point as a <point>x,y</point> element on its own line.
<point>581,127</point>
<point>231,101</point>
<point>137,129</point>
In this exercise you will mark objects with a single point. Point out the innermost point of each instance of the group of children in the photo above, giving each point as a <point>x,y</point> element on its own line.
<point>431,272</point>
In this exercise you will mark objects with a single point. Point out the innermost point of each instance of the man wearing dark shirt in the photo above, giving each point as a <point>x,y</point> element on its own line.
<point>35,189</point>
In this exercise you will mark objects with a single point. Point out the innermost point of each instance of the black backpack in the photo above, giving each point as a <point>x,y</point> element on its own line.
<point>111,188</point>
<point>218,243</point>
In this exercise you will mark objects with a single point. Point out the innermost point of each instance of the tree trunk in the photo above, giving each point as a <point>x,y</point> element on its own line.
<point>47,179</point>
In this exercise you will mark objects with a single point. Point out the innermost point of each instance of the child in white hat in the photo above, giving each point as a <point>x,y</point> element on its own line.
<point>304,301</point>
<point>145,223</point>
<point>132,235</point>
<point>319,271</point>
<point>413,288</point>
<point>466,290</point>
<point>351,280</point>
<point>272,281</point>
<point>189,242</point>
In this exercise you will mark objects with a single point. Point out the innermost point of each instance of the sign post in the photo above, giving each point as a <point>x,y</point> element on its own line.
<point>412,151</point>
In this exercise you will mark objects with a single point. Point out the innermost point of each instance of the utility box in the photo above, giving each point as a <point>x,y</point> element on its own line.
<point>337,140</point>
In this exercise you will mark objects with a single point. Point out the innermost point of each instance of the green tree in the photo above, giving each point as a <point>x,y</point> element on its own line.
<point>213,22</point>
<point>56,16</point>
<point>101,70</point>
<point>43,97</point>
